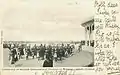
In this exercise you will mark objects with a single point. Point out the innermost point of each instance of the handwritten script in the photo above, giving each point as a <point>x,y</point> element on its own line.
<point>107,33</point>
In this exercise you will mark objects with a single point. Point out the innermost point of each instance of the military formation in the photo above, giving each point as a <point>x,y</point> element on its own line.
<point>54,52</point>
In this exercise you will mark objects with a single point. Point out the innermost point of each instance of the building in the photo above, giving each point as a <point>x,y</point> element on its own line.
<point>89,33</point>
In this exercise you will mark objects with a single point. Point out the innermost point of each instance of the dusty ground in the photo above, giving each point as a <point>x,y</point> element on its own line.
<point>80,59</point>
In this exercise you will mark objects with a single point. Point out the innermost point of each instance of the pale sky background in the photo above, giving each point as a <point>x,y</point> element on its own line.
<point>50,20</point>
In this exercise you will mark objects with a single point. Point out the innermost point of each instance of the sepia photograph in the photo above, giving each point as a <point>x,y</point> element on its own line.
<point>48,33</point>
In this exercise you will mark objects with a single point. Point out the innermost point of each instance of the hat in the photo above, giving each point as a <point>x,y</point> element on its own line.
<point>12,45</point>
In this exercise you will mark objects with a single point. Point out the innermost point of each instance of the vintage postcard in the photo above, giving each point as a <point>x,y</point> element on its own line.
<point>43,33</point>
<point>60,37</point>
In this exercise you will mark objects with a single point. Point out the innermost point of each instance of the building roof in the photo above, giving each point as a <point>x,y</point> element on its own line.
<point>87,22</point>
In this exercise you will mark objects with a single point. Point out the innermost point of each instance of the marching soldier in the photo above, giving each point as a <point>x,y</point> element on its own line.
<point>71,50</point>
<point>42,51</point>
<point>38,52</point>
<point>20,51</point>
<point>49,51</point>
<point>13,55</point>
<point>27,52</point>
<point>68,48</point>
<point>63,50</point>
<point>55,55</point>
<point>46,53</point>
<point>80,47</point>
<point>33,51</point>
<point>44,48</point>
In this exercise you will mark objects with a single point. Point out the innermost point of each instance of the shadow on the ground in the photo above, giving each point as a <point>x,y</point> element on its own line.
<point>18,65</point>
<point>90,65</point>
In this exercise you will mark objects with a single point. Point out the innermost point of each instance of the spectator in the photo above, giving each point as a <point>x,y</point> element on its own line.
<point>48,62</point>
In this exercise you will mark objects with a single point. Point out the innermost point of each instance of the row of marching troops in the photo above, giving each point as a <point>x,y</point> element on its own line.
<point>54,52</point>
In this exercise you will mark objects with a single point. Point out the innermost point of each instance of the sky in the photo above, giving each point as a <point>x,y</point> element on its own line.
<point>44,20</point>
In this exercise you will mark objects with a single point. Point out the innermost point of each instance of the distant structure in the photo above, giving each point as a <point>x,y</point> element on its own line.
<point>1,37</point>
<point>89,31</point>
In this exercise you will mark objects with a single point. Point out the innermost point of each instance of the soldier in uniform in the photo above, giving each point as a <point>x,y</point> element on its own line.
<point>48,62</point>
<point>46,53</point>
<point>20,51</point>
<point>38,52</point>
<point>55,55</point>
<point>33,51</point>
<point>63,50</point>
<point>60,54</point>
<point>44,48</point>
<point>80,47</point>
<point>42,51</point>
<point>13,55</point>
<point>66,52</point>
<point>27,52</point>
<point>49,51</point>
<point>68,48</point>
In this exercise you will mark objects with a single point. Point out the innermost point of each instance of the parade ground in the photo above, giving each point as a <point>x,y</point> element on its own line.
<point>79,59</point>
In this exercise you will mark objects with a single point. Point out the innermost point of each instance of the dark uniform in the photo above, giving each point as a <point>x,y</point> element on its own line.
<point>63,50</point>
<point>41,53</point>
<point>49,51</point>
<point>13,55</point>
<point>20,51</point>
<point>68,48</point>
<point>80,48</point>
<point>48,62</point>
<point>33,52</point>
<point>27,51</point>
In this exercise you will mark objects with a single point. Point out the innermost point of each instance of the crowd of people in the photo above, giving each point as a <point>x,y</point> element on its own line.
<point>42,52</point>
